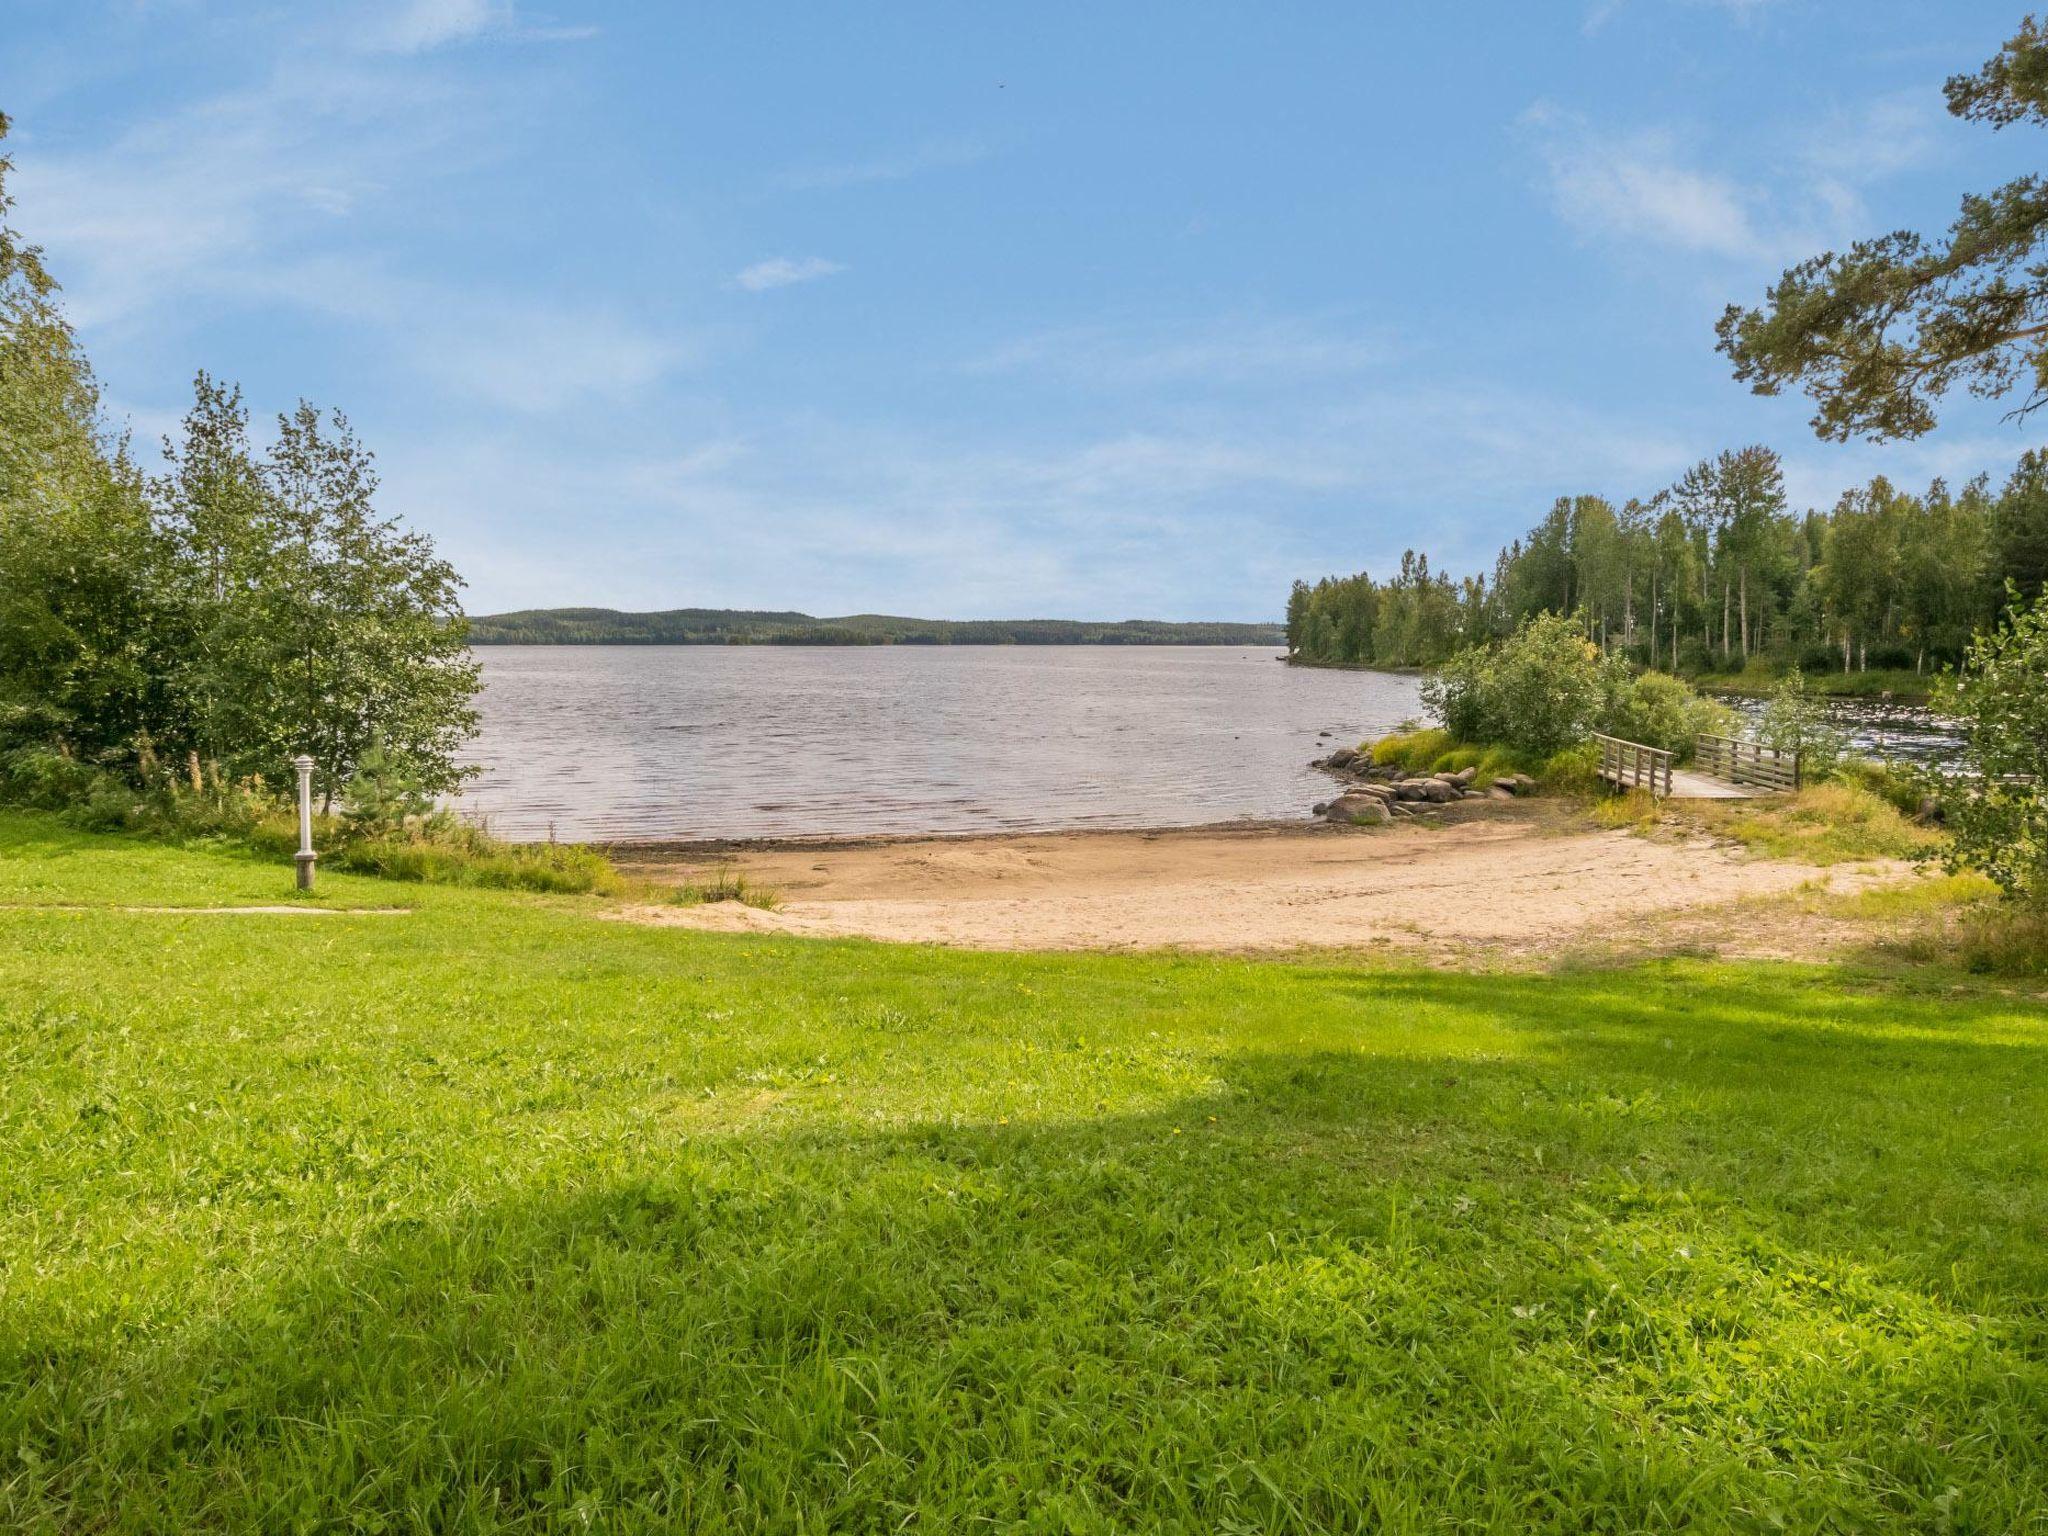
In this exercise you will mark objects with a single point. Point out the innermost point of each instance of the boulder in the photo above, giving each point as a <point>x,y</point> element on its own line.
<point>1440,792</point>
<point>1501,791</point>
<point>1412,789</point>
<point>1470,794</point>
<point>1343,757</point>
<point>1466,775</point>
<point>1358,810</point>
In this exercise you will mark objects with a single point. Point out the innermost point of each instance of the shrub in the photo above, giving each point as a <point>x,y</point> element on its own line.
<point>1542,689</point>
<point>1660,710</point>
<point>1902,789</point>
<point>1796,721</point>
<point>1573,771</point>
<point>1998,811</point>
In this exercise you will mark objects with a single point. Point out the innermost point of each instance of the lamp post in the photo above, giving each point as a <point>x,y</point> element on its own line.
<point>305,857</point>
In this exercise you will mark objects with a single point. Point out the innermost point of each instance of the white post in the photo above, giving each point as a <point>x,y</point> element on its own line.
<point>305,857</point>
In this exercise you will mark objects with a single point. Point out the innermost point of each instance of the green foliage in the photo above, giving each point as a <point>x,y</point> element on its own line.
<point>384,794</point>
<point>1878,333</point>
<point>1416,751</point>
<point>1998,809</point>
<point>246,607</point>
<point>1542,689</point>
<point>1573,771</point>
<point>1902,789</point>
<point>1659,710</point>
<point>491,1217</point>
<point>1796,721</point>
<point>442,850</point>
<point>1416,619</point>
<point>425,845</point>
<point>1715,575</point>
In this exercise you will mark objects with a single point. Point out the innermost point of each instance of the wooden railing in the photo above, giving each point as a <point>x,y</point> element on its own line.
<point>1747,762</point>
<point>1631,765</point>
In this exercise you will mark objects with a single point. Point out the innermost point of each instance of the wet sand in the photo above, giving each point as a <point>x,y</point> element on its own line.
<point>1528,878</point>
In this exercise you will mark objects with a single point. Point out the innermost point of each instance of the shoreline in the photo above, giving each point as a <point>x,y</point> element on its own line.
<point>1518,881</point>
<point>629,849</point>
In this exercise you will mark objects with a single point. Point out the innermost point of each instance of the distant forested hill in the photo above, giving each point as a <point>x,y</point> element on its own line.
<point>737,626</point>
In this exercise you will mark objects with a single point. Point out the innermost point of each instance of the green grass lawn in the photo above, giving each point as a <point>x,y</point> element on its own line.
<point>497,1216</point>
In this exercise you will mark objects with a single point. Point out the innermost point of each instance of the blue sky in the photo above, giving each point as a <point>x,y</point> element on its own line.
<point>1065,310</point>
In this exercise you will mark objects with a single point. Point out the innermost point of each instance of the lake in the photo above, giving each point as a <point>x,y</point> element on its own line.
<point>597,743</point>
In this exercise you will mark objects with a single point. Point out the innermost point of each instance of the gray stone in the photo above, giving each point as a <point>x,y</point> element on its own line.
<point>1358,811</point>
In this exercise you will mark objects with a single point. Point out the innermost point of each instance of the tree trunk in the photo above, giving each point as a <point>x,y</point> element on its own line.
<point>1743,578</point>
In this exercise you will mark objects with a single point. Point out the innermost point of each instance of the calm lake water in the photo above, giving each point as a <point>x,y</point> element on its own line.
<point>652,742</point>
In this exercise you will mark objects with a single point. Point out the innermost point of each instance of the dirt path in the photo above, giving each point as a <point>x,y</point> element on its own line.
<point>1522,878</point>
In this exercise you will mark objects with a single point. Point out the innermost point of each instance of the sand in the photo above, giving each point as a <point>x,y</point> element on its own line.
<point>1519,878</point>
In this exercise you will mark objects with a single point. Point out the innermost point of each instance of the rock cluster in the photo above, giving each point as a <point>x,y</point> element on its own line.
<point>1375,794</point>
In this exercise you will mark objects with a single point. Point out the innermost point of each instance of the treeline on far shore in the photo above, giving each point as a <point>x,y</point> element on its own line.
<point>733,626</point>
<point>1717,575</point>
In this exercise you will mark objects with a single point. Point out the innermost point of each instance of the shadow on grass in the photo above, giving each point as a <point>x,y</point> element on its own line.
<point>1725,1260</point>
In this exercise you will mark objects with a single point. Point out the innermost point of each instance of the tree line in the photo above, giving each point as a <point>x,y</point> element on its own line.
<point>206,624</point>
<point>732,626</point>
<point>1716,571</point>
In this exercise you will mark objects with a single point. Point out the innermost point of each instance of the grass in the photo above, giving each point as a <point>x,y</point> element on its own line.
<point>1821,824</point>
<point>727,884</point>
<point>494,1217</point>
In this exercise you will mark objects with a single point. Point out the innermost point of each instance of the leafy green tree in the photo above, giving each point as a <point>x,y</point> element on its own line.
<point>2019,531</point>
<point>1540,690</point>
<point>347,629</point>
<point>1997,810</point>
<point>84,635</point>
<point>1877,334</point>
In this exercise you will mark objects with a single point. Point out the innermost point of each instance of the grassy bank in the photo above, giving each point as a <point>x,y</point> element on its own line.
<point>494,1216</point>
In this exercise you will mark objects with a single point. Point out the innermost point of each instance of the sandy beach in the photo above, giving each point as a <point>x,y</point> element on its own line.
<point>1524,879</point>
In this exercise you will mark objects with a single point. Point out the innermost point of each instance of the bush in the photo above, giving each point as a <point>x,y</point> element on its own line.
<point>1998,811</point>
<point>1796,721</point>
<point>1902,789</point>
<point>1660,710</point>
<point>1573,771</point>
<point>1542,689</point>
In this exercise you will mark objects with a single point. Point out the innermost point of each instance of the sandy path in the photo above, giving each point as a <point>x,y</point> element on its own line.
<point>1520,878</point>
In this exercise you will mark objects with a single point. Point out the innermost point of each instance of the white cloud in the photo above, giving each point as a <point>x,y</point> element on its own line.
<point>419,26</point>
<point>932,155</point>
<point>1636,187</point>
<point>783,271</point>
<point>228,196</point>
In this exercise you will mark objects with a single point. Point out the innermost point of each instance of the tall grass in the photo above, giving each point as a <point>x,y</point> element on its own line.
<point>188,809</point>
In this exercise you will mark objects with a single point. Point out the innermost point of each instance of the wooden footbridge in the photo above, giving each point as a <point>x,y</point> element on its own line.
<point>1723,768</point>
